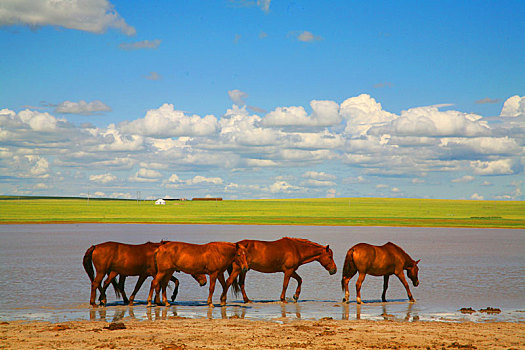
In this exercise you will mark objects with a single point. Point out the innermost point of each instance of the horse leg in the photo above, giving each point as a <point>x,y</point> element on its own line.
<point>358,284</point>
<point>120,285</point>
<point>235,272</point>
<point>164,286</point>
<point>299,283</point>
<point>385,287</point>
<point>139,283</point>
<point>401,277</point>
<point>94,286</point>
<point>287,275</point>
<point>176,290</point>
<point>225,286</point>
<point>154,285</point>
<point>349,270</point>
<point>108,280</point>
<point>242,279</point>
<point>213,279</point>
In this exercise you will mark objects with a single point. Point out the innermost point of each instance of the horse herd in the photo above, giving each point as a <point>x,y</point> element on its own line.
<point>161,260</point>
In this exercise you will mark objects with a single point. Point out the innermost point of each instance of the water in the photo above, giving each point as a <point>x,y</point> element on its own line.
<point>42,277</point>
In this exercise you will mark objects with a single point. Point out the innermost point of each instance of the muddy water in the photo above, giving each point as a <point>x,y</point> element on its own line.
<point>41,274</point>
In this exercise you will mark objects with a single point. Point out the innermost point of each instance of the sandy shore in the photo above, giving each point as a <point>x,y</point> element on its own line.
<point>179,333</point>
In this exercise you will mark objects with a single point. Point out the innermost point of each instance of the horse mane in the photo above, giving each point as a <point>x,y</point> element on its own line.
<point>305,241</point>
<point>405,254</point>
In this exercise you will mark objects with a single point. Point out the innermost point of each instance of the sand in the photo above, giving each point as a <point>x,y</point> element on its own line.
<point>181,333</point>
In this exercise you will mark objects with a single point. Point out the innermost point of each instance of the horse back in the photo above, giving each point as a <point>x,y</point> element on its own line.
<point>271,256</point>
<point>374,260</point>
<point>195,258</point>
<point>126,259</point>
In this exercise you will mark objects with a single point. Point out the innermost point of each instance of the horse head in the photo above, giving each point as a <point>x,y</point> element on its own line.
<point>240,257</point>
<point>412,273</point>
<point>326,259</point>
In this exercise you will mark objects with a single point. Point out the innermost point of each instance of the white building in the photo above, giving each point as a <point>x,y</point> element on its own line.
<point>160,201</point>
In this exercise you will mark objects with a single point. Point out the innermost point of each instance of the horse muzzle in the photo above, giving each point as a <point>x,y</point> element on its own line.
<point>416,283</point>
<point>333,271</point>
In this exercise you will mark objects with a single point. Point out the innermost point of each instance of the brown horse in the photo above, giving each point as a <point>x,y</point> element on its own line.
<point>113,258</point>
<point>283,255</point>
<point>211,259</point>
<point>385,260</point>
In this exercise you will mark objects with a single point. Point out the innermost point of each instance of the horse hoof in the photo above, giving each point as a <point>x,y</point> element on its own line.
<point>358,300</point>
<point>295,298</point>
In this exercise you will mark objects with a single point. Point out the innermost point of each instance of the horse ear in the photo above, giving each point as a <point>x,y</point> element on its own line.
<point>417,262</point>
<point>328,248</point>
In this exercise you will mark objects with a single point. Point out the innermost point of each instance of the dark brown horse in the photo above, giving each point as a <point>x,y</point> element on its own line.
<point>385,260</point>
<point>284,255</point>
<point>113,258</point>
<point>211,259</point>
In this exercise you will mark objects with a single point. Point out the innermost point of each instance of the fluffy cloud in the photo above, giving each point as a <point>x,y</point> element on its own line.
<point>318,175</point>
<point>496,167</point>
<point>358,138</point>
<point>103,178</point>
<point>82,107</point>
<point>168,122</point>
<point>202,179</point>
<point>513,107</point>
<point>145,175</point>
<point>285,187</point>
<point>430,121</point>
<point>362,113</point>
<point>94,16</point>
<point>238,96</point>
<point>324,113</point>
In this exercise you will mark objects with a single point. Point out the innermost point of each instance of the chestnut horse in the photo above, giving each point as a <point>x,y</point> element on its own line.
<point>283,255</point>
<point>113,258</point>
<point>385,260</point>
<point>211,259</point>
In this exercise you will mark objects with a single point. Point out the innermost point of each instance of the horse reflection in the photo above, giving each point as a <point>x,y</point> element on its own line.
<point>297,310</point>
<point>386,314</point>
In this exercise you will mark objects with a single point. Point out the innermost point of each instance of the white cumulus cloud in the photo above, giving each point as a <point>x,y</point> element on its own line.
<point>513,107</point>
<point>95,16</point>
<point>82,107</point>
<point>324,113</point>
<point>168,122</point>
<point>103,178</point>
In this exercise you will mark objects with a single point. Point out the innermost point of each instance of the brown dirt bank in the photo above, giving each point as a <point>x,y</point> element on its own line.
<point>179,333</point>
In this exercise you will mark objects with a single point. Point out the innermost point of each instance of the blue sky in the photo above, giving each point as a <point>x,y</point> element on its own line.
<point>262,99</point>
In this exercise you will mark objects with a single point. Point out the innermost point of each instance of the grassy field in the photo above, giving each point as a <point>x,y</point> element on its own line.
<point>338,211</point>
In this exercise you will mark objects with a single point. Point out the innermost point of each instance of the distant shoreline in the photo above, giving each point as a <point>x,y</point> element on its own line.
<point>380,212</point>
<point>234,224</point>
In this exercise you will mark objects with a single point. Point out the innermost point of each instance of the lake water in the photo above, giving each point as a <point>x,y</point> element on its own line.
<point>42,277</point>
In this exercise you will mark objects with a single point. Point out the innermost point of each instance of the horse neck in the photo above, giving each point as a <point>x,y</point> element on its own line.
<point>409,262</point>
<point>309,251</point>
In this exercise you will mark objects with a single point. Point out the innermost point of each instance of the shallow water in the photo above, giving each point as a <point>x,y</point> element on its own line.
<point>41,274</point>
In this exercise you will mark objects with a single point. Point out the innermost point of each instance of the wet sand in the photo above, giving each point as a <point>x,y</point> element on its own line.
<point>180,333</point>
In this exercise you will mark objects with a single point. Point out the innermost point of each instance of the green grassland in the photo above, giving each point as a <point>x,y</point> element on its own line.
<point>338,211</point>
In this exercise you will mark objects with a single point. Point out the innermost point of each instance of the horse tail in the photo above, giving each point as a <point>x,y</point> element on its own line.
<point>117,286</point>
<point>235,285</point>
<point>88,263</point>
<point>348,266</point>
<point>155,262</point>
